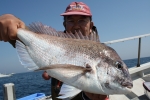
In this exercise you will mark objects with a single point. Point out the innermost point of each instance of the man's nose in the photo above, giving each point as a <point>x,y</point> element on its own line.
<point>76,26</point>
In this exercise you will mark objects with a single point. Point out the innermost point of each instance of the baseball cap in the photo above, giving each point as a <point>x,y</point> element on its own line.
<point>77,8</point>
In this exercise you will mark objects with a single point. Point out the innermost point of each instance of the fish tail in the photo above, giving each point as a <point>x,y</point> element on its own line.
<point>24,57</point>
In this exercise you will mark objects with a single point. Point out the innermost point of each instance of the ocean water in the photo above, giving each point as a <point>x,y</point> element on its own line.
<point>32,82</point>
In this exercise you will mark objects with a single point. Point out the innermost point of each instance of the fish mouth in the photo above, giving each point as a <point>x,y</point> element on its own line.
<point>127,84</point>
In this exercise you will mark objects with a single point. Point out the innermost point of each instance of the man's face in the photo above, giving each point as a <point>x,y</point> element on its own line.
<point>78,23</point>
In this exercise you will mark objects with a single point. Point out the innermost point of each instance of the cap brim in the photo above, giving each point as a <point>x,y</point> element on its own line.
<point>75,13</point>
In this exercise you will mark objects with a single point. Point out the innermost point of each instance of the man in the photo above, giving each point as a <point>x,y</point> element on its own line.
<point>77,17</point>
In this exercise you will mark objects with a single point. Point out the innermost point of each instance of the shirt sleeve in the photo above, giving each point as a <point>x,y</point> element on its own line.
<point>13,42</point>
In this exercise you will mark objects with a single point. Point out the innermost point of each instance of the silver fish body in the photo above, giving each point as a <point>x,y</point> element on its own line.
<point>87,65</point>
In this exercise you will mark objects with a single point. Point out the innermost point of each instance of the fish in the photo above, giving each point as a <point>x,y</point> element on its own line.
<point>82,63</point>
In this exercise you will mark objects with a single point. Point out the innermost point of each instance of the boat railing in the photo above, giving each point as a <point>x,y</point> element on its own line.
<point>131,38</point>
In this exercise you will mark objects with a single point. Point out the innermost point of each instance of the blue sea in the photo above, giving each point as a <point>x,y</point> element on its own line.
<point>32,82</point>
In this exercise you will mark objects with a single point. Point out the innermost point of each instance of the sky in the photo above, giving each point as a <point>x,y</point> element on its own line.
<point>114,19</point>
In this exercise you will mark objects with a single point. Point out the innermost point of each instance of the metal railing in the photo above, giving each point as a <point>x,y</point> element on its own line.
<point>131,38</point>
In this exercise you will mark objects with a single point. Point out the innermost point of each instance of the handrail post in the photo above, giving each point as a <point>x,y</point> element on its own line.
<point>9,91</point>
<point>139,50</point>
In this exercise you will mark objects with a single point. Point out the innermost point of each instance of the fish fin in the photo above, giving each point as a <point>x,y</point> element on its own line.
<point>68,92</point>
<point>67,66</point>
<point>74,73</point>
<point>24,57</point>
<point>38,27</point>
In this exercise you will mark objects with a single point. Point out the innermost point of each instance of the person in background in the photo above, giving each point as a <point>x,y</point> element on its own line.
<point>77,17</point>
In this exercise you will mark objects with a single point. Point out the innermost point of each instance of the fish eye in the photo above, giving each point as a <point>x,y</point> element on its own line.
<point>118,65</point>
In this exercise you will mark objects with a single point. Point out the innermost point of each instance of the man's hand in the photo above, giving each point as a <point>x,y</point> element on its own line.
<point>8,27</point>
<point>96,96</point>
<point>46,76</point>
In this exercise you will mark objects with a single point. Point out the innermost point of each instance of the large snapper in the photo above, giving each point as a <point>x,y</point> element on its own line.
<point>79,61</point>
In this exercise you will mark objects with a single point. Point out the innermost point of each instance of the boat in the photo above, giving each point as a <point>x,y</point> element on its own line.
<point>139,74</point>
<point>5,75</point>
